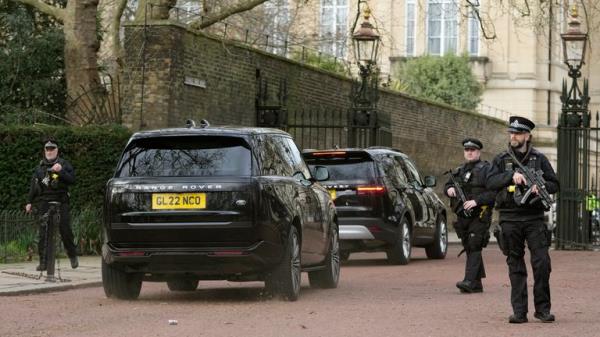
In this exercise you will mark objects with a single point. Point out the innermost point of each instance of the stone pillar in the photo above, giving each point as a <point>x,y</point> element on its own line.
<point>150,70</point>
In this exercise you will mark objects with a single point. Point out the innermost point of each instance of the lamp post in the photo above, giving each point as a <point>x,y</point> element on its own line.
<point>573,143</point>
<point>574,99</point>
<point>365,94</point>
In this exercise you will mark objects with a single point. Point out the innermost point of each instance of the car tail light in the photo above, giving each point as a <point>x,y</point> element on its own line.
<point>374,229</point>
<point>370,190</point>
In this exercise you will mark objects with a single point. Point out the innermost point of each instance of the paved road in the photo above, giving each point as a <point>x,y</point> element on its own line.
<point>373,299</point>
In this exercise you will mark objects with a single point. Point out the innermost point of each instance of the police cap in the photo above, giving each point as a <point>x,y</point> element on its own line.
<point>472,143</point>
<point>520,124</point>
<point>50,143</point>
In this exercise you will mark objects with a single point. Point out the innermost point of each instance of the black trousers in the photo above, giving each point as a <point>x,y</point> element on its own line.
<point>474,235</point>
<point>64,227</point>
<point>535,234</point>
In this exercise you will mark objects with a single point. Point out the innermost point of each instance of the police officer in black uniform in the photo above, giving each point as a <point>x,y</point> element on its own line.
<point>50,182</point>
<point>523,222</point>
<point>472,226</point>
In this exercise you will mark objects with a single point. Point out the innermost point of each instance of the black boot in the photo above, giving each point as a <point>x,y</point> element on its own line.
<point>469,287</point>
<point>74,261</point>
<point>517,318</point>
<point>545,317</point>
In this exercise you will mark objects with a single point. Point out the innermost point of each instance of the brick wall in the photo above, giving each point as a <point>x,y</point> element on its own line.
<point>226,88</point>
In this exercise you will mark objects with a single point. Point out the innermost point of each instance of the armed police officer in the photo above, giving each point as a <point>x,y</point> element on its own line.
<point>473,213</point>
<point>50,185</point>
<point>524,180</point>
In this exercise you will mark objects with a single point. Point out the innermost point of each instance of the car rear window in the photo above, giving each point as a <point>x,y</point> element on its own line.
<point>348,167</point>
<point>190,156</point>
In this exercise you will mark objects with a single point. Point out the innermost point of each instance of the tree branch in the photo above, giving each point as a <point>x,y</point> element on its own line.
<point>475,10</point>
<point>243,6</point>
<point>55,12</point>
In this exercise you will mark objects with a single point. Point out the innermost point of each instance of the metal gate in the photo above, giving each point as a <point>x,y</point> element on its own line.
<point>320,127</point>
<point>327,128</point>
<point>578,218</point>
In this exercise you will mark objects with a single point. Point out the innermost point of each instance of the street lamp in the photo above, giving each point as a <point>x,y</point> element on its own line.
<point>366,43</point>
<point>573,143</point>
<point>574,44</point>
<point>365,94</point>
<point>575,100</point>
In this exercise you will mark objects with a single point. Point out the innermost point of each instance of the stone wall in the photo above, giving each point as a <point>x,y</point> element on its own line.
<point>191,75</point>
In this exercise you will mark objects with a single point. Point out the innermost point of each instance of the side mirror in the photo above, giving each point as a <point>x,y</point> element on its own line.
<point>321,173</point>
<point>430,181</point>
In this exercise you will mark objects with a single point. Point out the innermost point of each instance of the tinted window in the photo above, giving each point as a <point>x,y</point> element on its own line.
<point>346,168</point>
<point>400,170</point>
<point>412,172</point>
<point>296,158</point>
<point>189,156</point>
<point>273,157</point>
<point>392,170</point>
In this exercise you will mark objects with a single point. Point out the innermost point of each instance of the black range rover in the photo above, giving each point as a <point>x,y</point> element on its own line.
<point>383,203</point>
<point>217,203</point>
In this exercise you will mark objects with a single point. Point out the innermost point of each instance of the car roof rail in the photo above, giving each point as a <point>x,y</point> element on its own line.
<point>204,123</point>
<point>190,123</point>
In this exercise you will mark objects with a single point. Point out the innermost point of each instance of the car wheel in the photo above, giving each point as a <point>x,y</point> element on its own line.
<point>439,247</point>
<point>400,252</point>
<point>330,275</point>
<point>122,285</point>
<point>182,285</point>
<point>285,279</point>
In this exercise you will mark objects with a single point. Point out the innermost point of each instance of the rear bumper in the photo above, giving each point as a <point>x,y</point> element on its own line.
<point>210,263</point>
<point>367,229</point>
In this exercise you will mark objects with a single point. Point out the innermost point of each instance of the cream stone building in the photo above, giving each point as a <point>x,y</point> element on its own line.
<point>516,55</point>
<point>521,68</point>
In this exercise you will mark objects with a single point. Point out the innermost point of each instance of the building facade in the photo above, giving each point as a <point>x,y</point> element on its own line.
<point>516,53</point>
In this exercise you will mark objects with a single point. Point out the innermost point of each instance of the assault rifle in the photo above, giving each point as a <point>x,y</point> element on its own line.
<point>533,177</point>
<point>462,198</point>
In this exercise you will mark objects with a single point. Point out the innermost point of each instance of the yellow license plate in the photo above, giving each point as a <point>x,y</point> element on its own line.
<point>332,194</point>
<point>178,200</point>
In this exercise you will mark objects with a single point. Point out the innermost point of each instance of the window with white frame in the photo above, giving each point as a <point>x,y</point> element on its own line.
<point>442,26</point>
<point>410,29</point>
<point>334,27</point>
<point>277,19</point>
<point>473,32</point>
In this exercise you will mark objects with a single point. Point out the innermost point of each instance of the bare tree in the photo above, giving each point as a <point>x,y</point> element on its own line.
<point>79,20</point>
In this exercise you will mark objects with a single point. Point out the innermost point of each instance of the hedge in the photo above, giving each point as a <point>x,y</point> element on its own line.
<point>92,150</point>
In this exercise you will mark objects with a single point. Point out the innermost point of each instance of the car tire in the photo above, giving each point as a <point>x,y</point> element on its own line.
<point>182,285</point>
<point>286,277</point>
<point>439,247</point>
<point>328,277</point>
<point>122,285</point>
<point>400,252</point>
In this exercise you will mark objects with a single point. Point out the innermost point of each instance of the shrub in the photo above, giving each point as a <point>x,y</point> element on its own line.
<point>447,79</point>
<point>93,151</point>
